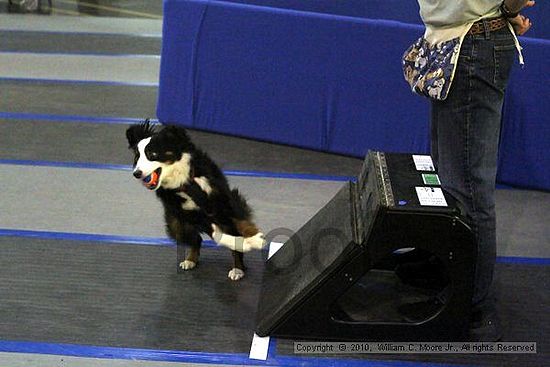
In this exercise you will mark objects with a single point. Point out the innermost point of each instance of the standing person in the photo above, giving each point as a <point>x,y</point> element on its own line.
<point>462,63</point>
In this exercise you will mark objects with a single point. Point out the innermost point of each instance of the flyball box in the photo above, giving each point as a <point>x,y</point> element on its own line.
<point>395,203</point>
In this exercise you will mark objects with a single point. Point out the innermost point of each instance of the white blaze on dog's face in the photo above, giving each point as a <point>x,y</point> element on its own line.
<point>157,167</point>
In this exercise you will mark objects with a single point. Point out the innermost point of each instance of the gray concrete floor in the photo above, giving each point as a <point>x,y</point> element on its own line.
<point>63,47</point>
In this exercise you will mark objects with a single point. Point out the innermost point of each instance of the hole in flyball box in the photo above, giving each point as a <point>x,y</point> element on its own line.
<point>407,276</point>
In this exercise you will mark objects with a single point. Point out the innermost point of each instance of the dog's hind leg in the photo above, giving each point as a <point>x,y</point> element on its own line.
<point>237,272</point>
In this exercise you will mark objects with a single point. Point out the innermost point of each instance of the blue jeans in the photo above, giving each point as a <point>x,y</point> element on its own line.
<point>465,130</point>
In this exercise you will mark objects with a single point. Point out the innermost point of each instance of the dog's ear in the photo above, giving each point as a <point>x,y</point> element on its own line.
<point>177,133</point>
<point>138,132</point>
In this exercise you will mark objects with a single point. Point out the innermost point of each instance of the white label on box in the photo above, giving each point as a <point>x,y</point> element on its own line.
<point>431,196</point>
<point>423,163</point>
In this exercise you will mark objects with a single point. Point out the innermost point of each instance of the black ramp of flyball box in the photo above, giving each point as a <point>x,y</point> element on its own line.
<point>306,260</point>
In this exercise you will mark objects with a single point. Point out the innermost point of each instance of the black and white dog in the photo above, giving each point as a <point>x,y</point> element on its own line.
<point>194,192</point>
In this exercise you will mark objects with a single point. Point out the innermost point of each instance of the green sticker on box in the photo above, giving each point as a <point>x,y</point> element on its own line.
<point>430,179</point>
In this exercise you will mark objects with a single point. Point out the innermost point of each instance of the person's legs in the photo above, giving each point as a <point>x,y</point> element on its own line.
<point>465,137</point>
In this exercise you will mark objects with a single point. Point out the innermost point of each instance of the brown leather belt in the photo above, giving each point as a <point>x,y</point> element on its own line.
<point>493,24</point>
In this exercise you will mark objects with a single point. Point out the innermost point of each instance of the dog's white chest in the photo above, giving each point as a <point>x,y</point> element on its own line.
<point>178,173</point>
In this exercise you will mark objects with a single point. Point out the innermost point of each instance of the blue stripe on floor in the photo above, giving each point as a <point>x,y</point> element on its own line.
<point>523,260</point>
<point>85,351</point>
<point>92,237</point>
<point>238,173</point>
<point>289,176</point>
<point>164,241</point>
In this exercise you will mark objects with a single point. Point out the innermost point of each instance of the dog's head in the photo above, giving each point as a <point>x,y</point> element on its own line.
<point>162,155</point>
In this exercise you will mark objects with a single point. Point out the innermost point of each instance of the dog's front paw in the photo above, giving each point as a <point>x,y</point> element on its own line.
<point>187,264</point>
<point>235,274</point>
<point>256,242</point>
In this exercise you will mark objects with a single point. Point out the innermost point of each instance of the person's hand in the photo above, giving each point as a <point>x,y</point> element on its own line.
<point>528,4</point>
<point>518,5</point>
<point>521,24</point>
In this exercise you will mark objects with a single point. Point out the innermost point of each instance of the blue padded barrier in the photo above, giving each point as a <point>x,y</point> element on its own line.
<point>321,74</point>
<point>525,137</point>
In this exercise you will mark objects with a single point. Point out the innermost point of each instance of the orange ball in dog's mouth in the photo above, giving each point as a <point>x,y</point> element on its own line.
<point>152,181</point>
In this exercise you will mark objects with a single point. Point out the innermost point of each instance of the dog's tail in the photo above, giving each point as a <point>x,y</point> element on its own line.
<point>241,209</point>
<point>243,216</point>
